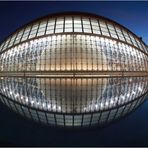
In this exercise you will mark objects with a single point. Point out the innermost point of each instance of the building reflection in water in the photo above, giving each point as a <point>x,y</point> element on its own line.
<point>73,70</point>
<point>73,102</point>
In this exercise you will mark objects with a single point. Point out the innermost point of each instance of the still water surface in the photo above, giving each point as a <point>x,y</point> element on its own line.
<point>129,131</point>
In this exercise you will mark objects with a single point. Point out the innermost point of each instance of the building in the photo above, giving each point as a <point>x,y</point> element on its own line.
<point>73,70</point>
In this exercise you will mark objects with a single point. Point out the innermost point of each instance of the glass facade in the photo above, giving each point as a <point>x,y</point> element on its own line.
<point>73,70</point>
<point>73,53</point>
<point>73,24</point>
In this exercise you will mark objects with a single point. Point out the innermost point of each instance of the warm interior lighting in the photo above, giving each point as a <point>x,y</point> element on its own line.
<point>73,70</point>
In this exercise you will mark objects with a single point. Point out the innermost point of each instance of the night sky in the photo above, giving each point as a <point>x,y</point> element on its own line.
<point>130,131</point>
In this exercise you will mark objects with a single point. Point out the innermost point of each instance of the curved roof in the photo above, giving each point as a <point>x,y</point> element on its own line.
<point>94,24</point>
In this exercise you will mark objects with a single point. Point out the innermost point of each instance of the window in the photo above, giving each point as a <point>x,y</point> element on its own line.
<point>120,34</point>
<point>50,26</point>
<point>104,28</point>
<point>26,33</point>
<point>77,24</point>
<point>86,25</point>
<point>95,26</point>
<point>112,31</point>
<point>59,25</point>
<point>68,24</point>
<point>42,28</point>
<point>19,36</point>
<point>33,31</point>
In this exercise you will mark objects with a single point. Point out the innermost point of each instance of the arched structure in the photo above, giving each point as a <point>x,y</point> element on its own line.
<point>73,69</point>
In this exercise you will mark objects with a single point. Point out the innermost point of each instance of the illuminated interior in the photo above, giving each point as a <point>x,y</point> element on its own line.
<point>73,70</point>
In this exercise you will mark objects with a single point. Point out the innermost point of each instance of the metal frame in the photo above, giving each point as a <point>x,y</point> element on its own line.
<point>107,79</point>
<point>78,14</point>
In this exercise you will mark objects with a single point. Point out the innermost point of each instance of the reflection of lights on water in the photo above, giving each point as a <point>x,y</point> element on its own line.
<point>96,106</point>
<point>90,94</point>
<point>26,100</point>
<point>16,95</point>
<point>101,105</point>
<point>140,89</point>
<point>48,106</point>
<point>116,98</point>
<point>32,102</point>
<point>43,105</point>
<point>106,103</point>
<point>54,107</point>
<point>92,105</point>
<point>111,101</point>
<point>59,108</point>
<point>133,92</point>
<point>123,97</point>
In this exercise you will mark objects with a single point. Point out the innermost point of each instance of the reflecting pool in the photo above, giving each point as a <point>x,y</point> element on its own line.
<point>73,102</point>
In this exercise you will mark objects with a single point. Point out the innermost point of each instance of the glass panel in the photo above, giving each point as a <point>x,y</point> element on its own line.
<point>95,26</point>
<point>112,31</point>
<point>68,24</point>
<point>33,30</point>
<point>42,28</point>
<point>59,25</point>
<point>104,28</point>
<point>26,33</point>
<point>2,45</point>
<point>86,25</point>
<point>126,36</point>
<point>9,40</point>
<point>50,26</point>
<point>77,24</point>
<point>19,36</point>
<point>119,32</point>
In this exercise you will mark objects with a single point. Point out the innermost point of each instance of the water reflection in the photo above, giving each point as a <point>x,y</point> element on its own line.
<point>73,101</point>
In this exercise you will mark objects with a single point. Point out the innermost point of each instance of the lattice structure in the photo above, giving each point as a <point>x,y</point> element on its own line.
<point>73,70</point>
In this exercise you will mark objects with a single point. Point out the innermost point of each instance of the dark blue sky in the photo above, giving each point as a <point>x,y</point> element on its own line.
<point>133,15</point>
